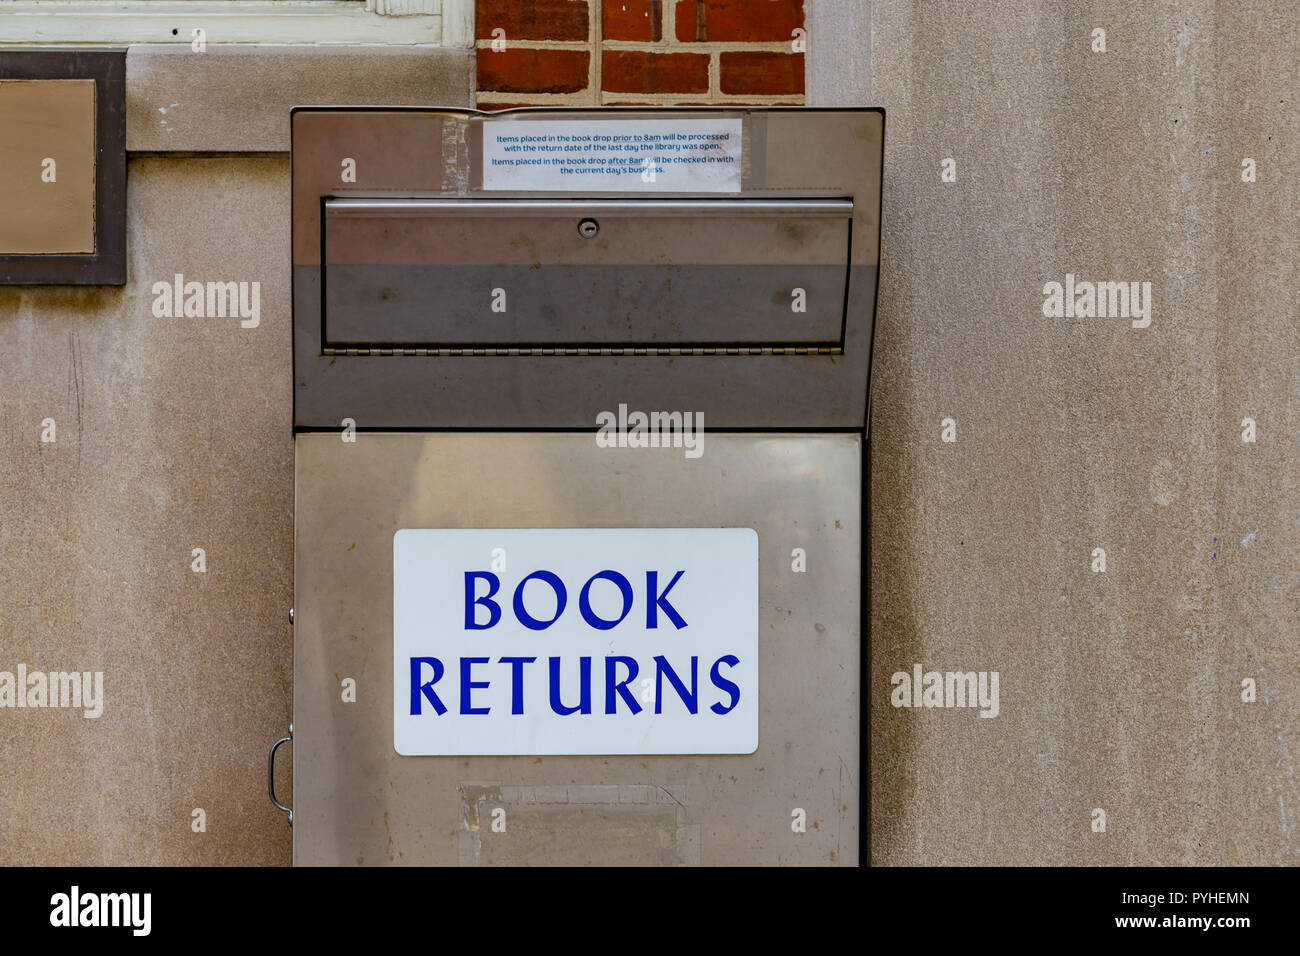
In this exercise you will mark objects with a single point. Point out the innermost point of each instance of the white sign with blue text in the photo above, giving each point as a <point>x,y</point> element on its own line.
<point>575,641</point>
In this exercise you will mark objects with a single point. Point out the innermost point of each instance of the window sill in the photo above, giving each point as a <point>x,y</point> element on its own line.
<point>92,23</point>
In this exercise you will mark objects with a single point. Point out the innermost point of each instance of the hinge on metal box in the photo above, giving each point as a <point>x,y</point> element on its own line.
<point>451,353</point>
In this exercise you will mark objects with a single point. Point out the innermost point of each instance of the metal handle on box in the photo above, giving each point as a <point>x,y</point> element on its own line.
<point>270,773</point>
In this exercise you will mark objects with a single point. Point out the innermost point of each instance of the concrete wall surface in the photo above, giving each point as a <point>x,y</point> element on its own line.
<point>1120,690</point>
<point>170,434</point>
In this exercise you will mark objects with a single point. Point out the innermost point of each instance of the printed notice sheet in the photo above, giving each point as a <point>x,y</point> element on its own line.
<point>644,155</point>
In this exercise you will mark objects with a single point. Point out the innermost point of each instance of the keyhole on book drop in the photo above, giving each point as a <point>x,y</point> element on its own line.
<point>588,228</point>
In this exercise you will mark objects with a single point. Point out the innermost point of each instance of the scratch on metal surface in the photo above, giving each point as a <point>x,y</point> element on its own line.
<point>455,156</point>
<point>472,796</point>
<point>844,768</point>
<point>839,814</point>
<point>610,801</point>
<point>674,798</point>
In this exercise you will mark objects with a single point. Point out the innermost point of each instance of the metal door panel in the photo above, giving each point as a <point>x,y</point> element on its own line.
<point>453,273</point>
<point>688,307</point>
<point>358,802</point>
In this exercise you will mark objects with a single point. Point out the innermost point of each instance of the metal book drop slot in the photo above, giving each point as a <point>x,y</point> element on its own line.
<point>624,273</point>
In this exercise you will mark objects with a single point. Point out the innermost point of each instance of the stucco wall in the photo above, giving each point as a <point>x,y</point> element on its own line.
<point>170,434</point>
<point>1120,690</point>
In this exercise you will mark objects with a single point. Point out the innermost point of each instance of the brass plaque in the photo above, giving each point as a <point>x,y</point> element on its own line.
<point>47,167</point>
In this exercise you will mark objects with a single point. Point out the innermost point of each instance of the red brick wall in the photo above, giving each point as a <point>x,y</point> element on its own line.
<point>594,52</point>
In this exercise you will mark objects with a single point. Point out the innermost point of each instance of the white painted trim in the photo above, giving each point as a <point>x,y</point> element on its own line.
<point>401,8</point>
<point>121,22</point>
<point>458,23</point>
